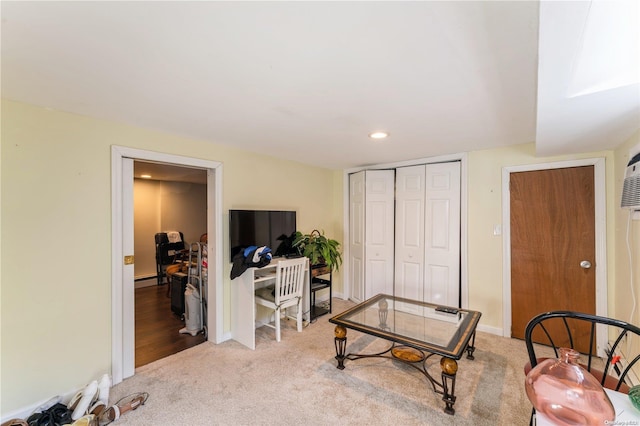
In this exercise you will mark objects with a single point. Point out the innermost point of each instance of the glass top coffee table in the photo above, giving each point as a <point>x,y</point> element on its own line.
<point>417,331</point>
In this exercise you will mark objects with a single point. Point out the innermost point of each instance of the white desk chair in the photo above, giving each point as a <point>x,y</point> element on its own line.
<point>286,292</point>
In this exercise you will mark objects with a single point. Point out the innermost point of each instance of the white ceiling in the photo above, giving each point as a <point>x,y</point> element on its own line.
<point>307,81</point>
<point>588,75</point>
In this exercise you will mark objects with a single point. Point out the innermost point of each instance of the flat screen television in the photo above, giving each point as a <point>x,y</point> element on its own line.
<point>261,228</point>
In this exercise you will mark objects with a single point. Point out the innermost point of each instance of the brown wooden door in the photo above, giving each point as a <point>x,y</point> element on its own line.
<point>552,232</point>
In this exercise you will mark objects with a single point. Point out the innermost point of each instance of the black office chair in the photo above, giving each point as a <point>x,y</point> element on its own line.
<point>577,330</point>
<point>167,253</point>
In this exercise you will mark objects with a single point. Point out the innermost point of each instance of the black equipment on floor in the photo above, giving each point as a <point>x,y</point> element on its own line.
<point>178,286</point>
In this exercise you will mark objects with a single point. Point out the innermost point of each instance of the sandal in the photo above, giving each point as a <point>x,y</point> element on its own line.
<point>88,420</point>
<point>97,408</point>
<point>73,403</point>
<point>128,403</point>
<point>103,389</point>
<point>15,422</point>
<point>60,413</point>
<point>88,398</point>
<point>41,419</point>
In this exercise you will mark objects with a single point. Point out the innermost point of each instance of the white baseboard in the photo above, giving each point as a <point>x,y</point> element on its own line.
<point>25,412</point>
<point>631,377</point>
<point>226,336</point>
<point>491,330</point>
<point>145,282</point>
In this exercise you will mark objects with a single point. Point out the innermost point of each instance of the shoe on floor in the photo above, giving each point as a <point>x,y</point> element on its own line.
<point>41,419</point>
<point>15,422</point>
<point>128,403</point>
<point>103,389</point>
<point>89,396</point>
<point>88,420</point>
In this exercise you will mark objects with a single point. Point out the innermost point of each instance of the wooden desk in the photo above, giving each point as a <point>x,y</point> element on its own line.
<point>626,413</point>
<point>245,315</point>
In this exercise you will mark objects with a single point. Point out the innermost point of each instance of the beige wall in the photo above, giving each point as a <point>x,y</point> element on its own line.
<point>621,299</point>
<point>56,237</point>
<point>627,251</point>
<point>184,208</point>
<point>165,206</point>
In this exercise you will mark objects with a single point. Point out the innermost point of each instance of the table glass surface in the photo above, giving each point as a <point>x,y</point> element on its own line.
<point>421,325</point>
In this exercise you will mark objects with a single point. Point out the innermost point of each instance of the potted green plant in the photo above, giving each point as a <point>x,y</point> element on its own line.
<point>319,249</point>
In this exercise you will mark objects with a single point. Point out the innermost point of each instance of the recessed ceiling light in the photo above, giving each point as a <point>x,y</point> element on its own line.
<point>378,135</point>
<point>145,176</point>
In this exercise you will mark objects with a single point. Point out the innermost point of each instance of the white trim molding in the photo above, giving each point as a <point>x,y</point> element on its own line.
<point>600,233</point>
<point>120,315</point>
<point>464,205</point>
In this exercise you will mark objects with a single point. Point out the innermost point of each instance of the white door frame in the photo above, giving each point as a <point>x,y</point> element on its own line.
<point>600,231</point>
<point>462,157</point>
<point>122,311</point>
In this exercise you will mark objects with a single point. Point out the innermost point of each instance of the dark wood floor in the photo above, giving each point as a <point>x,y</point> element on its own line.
<point>157,327</point>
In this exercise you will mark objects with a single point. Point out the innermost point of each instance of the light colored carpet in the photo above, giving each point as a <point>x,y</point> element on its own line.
<point>296,382</point>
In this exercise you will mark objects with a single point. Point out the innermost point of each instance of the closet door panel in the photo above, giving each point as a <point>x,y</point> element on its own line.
<point>377,273</point>
<point>357,277</point>
<point>409,259</point>
<point>438,277</point>
<point>440,218</point>
<point>356,235</point>
<point>442,234</point>
<point>412,286</point>
<point>405,233</point>
<point>379,232</point>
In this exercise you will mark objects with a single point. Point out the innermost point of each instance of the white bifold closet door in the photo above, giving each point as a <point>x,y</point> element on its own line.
<point>371,240</point>
<point>427,243</point>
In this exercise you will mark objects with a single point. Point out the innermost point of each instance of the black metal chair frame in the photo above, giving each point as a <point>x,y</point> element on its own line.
<point>163,258</point>
<point>623,329</point>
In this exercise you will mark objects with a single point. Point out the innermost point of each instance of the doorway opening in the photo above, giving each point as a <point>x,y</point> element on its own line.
<point>123,294</point>
<point>167,198</point>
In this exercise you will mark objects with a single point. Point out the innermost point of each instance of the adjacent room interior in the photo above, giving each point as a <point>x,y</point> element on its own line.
<point>166,198</point>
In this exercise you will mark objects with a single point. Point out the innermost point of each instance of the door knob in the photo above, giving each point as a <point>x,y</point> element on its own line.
<point>585,264</point>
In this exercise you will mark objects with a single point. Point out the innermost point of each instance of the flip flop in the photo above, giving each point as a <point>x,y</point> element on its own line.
<point>128,403</point>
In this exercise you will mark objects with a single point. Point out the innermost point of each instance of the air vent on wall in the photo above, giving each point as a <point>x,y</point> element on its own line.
<point>631,188</point>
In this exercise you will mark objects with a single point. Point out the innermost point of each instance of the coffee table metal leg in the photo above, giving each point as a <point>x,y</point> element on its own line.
<point>471,346</point>
<point>341,345</point>
<point>449,369</point>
